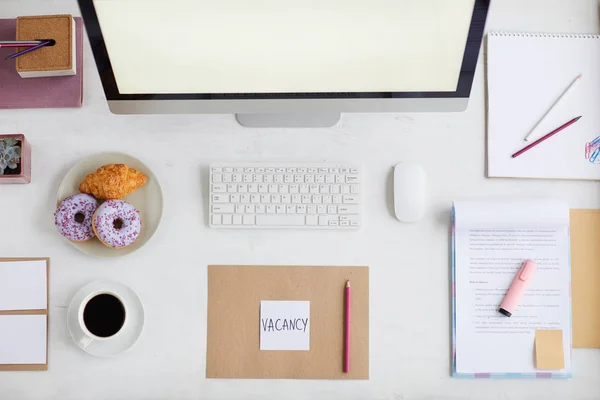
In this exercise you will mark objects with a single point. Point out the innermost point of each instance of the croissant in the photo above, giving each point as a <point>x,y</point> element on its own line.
<point>113,181</point>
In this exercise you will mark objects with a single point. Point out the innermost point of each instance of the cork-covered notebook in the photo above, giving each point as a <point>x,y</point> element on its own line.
<point>54,92</point>
<point>56,60</point>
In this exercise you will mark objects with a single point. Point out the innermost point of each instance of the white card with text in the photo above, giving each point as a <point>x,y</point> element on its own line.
<point>284,325</point>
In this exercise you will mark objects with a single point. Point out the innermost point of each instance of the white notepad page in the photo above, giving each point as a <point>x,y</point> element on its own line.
<point>23,285</point>
<point>23,339</point>
<point>526,74</point>
<point>492,240</point>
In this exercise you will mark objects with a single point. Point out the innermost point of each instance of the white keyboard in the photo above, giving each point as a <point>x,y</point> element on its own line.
<point>256,195</point>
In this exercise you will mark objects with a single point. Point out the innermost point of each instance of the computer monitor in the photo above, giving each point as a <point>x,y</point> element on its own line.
<point>285,62</point>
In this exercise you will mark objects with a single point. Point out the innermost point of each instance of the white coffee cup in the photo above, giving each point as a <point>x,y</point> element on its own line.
<point>85,337</point>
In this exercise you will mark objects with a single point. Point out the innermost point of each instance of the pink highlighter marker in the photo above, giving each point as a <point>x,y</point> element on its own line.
<point>517,288</point>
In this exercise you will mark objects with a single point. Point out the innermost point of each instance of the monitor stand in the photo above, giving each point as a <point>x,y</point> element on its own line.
<point>308,120</point>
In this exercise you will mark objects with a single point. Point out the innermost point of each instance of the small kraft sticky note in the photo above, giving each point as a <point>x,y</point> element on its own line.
<point>284,325</point>
<point>549,350</point>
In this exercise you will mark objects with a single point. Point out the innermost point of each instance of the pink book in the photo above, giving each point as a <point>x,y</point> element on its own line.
<point>54,92</point>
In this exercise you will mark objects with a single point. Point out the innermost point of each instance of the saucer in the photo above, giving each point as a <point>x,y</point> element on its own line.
<point>148,200</point>
<point>129,332</point>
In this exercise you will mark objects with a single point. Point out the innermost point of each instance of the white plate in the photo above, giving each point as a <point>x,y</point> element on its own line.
<point>148,200</point>
<point>129,333</point>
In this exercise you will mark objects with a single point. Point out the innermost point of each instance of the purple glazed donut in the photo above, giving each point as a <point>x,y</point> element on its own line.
<point>73,218</point>
<point>117,223</point>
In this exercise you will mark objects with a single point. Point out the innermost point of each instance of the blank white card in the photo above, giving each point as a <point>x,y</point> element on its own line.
<point>23,285</point>
<point>23,339</point>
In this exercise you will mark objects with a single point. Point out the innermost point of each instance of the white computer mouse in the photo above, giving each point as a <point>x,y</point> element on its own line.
<point>410,192</point>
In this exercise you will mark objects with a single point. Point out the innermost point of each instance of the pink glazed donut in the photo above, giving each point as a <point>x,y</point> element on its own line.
<point>117,223</point>
<point>73,218</point>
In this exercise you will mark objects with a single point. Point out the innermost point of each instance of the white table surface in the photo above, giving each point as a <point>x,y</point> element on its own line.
<point>409,274</point>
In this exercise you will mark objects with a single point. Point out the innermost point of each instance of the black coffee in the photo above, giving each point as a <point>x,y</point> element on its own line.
<point>104,315</point>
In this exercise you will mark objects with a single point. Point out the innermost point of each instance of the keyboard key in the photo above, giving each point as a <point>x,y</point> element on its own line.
<point>235,198</point>
<point>333,170</point>
<point>226,178</point>
<point>296,199</point>
<point>323,170</point>
<point>217,169</point>
<point>223,208</point>
<point>314,189</point>
<point>350,200</point>
<point>258,178</point>
<point>352,179</point>
<point>250,209</point>
<point>268,179</point>
<point>275,199</point>
<point>228,169</point>
<point>348,209</point>
<point>273,188</point>
<point>216,219</point>
<point>303,189</point>
<point>294,189</point>
<point>334,223</point>
<point>220,198</point>
<point>227,219</point>
<point>317,199</point>
<point>299,178</point>
<point>290,209</point>
<point>278,179</point>
<point>311,209</point>
<point>248,178</point>
<point>280,170</point>
<point>322,209</point>
<point>354,223</point>
<point>237,178</point>
<point>336,199</point>
<point>301,209</point>
<point>253,188</point>
<point>309,178</point>
<point>239,209</point>
<point>245,198</point>
<point>312,170</point>
<point>249,169</point>
<point>306,199</point>
<point>335,189</point>
<point>330,210</point>
<point>330,179</point>
<point>248,219</point>
<point>260,169</point>
<point>312,220</point>
<point>302,170</point>
<point>323,220</point>
<point>231,187</point>
<point>288,178</point>
<point>340,179</point>
<point>353,171</point>
<point>292,169</point>
<point>344,223</point>
<point>255,198</point>
<point>261,209</point>
<point>286,198</point>
<point>344,170</point>
<point>237,219</point>
<point>271,209</point>
<point>280,209</point>
<point>217,178</point>
<point>354,189</point>
<point>270,170</point>
<point>345,189</point>
<point>324,189</point>
<point>262,188</point>
<point>265,198</point>
<point>243,188</point>
<point>284,188</point>
<point>280,220</point>
<point>238,169</point>
<point>320,179</point>
<point>327,199</point>
<point>219,188</point>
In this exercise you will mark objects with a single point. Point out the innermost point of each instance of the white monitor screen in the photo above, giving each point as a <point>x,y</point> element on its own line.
<point>284,46</point>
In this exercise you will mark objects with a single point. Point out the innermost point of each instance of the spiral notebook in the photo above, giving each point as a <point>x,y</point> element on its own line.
<point>527,73</point>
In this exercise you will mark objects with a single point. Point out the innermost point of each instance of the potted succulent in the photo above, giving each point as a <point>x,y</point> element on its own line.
<point>15,159</point>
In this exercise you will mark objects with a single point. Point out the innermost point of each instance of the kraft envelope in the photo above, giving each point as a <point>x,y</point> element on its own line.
<point>585,277</point>
<point>233,337</point>
<point>549,350</point>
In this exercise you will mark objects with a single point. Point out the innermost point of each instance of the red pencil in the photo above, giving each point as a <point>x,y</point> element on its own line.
<point>347,328</point>
<point>548,136</point>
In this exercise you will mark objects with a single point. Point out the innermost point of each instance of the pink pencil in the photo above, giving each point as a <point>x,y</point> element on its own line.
<point>347,328</point>
<point>548,136</point>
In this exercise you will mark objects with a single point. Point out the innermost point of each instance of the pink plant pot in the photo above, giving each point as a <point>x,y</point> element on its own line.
<point>24,162</point>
